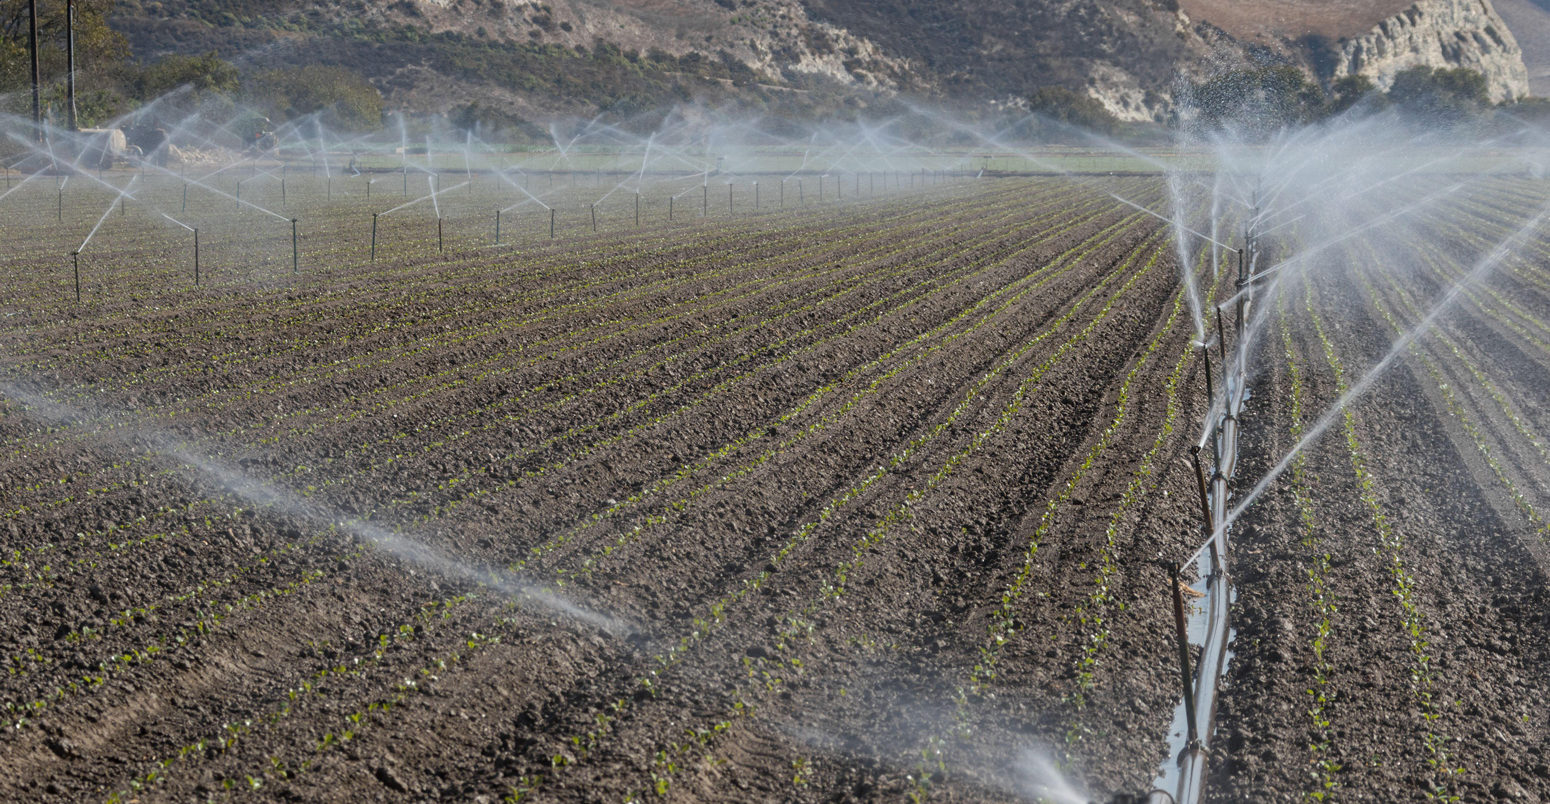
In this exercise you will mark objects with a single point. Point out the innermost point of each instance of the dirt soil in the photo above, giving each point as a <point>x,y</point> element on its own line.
<point>1428,578</point>
<point>850,500</point>
<point>860,500</point>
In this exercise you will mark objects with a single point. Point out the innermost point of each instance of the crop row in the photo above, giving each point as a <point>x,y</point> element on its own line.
<point>768,674</point>
<point>339,230</point>
<point>646,681</point>
<point>314,686</point>
<point>933,339</point>
<point>941,279</point>
<point>337,476</point>
<point>797,626</point>
<point>403,278</point>
<point>675,278</point>
<point>1093,615</point>
<point>1505,407</point>
<point>1321,595</point>
<point>1412,617</point>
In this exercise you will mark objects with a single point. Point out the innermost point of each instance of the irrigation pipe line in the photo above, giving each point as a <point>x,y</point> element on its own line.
<point>1201,682</point>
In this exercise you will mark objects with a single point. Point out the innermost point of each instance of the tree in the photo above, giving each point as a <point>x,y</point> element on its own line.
<point>100,53</point>
<point>1256,102</point>
<point>342,99</point>
<point>1348,91</point>
<point>1440,97</point>
<point>201,74</point>
<point>1073,109</point>
<point>177,87</point>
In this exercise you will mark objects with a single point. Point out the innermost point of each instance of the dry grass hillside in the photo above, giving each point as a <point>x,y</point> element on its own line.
<point>1269,20</point>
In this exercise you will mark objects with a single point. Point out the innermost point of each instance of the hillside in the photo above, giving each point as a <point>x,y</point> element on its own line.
<point>1271,21</point>
<point>537,58</point>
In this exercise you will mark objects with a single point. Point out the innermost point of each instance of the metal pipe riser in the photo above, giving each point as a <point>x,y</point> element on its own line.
<point>1229,460</point>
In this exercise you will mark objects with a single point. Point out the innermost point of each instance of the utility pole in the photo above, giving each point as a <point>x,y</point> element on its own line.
<point>70,63</point>
<point>32,45</point>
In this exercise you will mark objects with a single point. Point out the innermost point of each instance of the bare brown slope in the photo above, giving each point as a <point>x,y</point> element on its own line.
<point>1261,20</point>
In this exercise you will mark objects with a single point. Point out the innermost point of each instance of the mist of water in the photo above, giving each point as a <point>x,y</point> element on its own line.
<point>199,468</point>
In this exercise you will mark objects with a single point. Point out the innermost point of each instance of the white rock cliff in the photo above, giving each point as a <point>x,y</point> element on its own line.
<point>1441,34</point>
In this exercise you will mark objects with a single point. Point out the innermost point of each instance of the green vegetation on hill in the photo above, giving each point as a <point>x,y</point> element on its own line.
<point>290,59</point>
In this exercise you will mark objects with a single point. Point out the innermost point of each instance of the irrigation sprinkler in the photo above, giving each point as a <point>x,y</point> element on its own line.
<point>820,189</point>
<point>782,193</point>
<point>669,209</point>
<point>594,217</point>
<point>1221,334</point>
<point>330,196</point>
<point>1242,281</point>
<point>282,188</point>
<point>374,235</point>
<point>551,223</point>
<point>705,200</point>
<point>440,245</point>
<point>196,258</point>
<point>59,204</point>
<point>729,199</point>
<point>406,180</point>
<point>497,227</point>
<point>637,209</point>
<point>1205,352</point>
<point>185,197</point>
<point>1200,483</point>
<point>75,257</point>
<point>755,196</point>
<point>295,250</point>
<point>121,203</point>
<point>800,199</point>
<point>1182,631</point>
<point>239,195</point>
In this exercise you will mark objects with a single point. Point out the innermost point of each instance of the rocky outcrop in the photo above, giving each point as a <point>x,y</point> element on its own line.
<point>1441,34</point>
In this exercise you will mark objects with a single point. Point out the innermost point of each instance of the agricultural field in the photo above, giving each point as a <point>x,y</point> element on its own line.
<point>787,493</point>
<point>1393,621</point>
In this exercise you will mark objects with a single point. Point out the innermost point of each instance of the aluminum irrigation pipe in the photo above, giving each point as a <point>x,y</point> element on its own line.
<point>1201,698</point>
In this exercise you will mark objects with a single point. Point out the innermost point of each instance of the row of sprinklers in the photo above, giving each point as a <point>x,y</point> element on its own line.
<point>140,188</point>
<point>1214,459</point>
<point>265,181</point>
